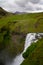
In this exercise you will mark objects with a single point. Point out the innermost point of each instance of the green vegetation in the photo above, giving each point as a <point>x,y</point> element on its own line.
<point>34,54</point>
<point>29,50</point>
<point>24,22</point>
<point>4,38</point>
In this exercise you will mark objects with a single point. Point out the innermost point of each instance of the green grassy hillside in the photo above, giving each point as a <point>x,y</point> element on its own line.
<point>34,54</point>
<point>24,22</point>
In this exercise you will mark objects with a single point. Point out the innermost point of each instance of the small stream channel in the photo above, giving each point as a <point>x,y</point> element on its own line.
<point>31,37</point>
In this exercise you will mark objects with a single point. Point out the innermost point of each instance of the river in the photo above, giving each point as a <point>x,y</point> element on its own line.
<point>31,37</point>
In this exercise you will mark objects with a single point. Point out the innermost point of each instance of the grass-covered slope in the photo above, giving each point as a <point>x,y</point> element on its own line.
<point>34,54</point>
<point>24,22</point>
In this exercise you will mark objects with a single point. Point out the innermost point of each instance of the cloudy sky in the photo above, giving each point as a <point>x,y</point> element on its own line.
<point>22,5</point>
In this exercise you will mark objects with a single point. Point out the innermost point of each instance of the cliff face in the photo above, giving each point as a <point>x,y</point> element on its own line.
<point>11,44</point>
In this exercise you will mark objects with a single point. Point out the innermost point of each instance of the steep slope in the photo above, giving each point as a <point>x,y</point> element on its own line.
<point>2,12</point>
<point>34,54</point>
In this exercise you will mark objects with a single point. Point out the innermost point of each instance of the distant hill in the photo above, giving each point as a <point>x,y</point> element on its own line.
<point>17,12</point>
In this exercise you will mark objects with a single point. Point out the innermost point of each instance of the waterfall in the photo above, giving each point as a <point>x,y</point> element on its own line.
<point>29,39</point>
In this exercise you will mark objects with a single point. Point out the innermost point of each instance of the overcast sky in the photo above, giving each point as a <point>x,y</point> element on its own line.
<point>22,5</point>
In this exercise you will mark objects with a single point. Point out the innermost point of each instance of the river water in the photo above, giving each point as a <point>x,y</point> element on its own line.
<point>31,37</point>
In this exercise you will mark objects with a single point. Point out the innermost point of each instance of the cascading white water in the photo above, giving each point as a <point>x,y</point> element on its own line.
<point>29,39</point>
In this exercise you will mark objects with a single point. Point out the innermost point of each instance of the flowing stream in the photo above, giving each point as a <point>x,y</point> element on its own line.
<point>31,37</point>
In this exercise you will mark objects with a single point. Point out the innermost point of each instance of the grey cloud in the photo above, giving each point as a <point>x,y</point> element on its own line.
<point>22,5</point>
<point>35,1</point>
<point>39,8</point>
<point>29,8</point>
<point>41,2</point>
<point>24,2</point>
